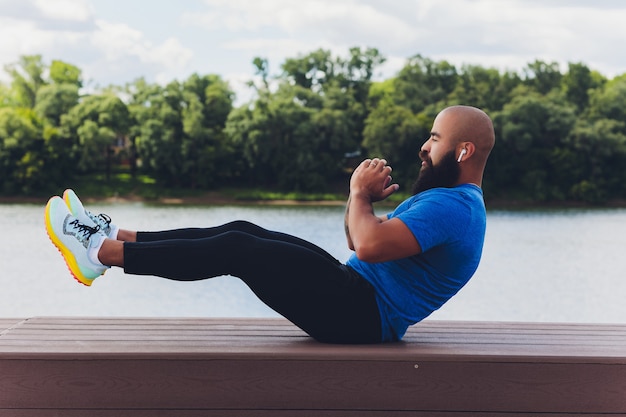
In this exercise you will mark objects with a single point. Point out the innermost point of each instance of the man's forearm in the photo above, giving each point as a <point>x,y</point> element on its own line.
<point>361,217</point>
<point>346,227</point>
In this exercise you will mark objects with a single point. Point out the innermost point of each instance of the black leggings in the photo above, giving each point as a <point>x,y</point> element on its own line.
<point>300,281</point>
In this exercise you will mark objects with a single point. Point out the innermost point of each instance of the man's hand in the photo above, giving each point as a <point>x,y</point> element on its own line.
<point>375,239</point>
<point>372,180</point>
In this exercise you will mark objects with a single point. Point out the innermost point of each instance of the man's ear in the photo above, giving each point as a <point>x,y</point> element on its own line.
<point>467,149</point>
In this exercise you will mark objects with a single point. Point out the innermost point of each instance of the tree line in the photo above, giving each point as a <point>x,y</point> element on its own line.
<point>560,136</point>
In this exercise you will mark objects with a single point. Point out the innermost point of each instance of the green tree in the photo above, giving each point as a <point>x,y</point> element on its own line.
<point>6,97</point>
<point>485,88</point>
<point>205,152</point>
<point>395,133</point>
<point>55,100</point>
<point>598,150</point>
<point>179,132</point>
<point>64,73</point>
<point>22,163</point>
<point>277,140</point>
<point>599,139</point>
<point>542,76</point>
<point>27,78</point>
<point>339,83</point>
<point>296,137</point>
<point>532,129</point>
<point>34,151</point>
<point>576,85</point>
<point>609,101</point>
<point>94,126</point>
<point>423,82</point>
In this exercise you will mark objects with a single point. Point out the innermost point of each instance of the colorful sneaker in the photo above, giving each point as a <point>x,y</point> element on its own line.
<point>73,239</point>
<point>86,217</point>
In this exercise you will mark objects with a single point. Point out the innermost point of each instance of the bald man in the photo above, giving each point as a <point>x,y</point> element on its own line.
<point>428,248</point>
<point>405,264</point>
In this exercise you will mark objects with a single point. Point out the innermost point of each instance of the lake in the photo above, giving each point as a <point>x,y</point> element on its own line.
<point>538,265</point>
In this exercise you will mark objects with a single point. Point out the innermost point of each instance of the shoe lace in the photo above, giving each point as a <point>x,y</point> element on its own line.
<point>105,218</point>
<point>101,220</point>
<point>84,232</point>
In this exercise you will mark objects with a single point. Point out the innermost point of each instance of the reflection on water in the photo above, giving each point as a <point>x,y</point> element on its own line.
<point>537,266</point>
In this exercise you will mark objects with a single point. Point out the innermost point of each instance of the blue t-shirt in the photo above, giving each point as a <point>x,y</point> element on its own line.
<point>449,224</point>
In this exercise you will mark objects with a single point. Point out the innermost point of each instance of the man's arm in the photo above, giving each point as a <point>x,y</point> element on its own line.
<point>346,228</point>
<point>371,237</point>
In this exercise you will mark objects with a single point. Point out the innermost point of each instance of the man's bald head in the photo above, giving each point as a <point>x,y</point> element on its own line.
<point>461,140</point>
<point>470,124</point>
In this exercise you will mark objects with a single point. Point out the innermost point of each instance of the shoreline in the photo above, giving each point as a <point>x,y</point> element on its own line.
<point>222,199</point>
<point>209,199</point>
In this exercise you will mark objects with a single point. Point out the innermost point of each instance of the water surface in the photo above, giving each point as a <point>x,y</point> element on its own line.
<point>544,266</point>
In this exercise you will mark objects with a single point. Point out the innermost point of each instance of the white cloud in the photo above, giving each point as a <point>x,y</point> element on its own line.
<point>513,33</point>
<point>167,41</point>
<point>127,52</point>
<point>118,41</point>
<point>346,23</point>
<point>507,35</point>
<point>76,10</point>
<point>107,53</point>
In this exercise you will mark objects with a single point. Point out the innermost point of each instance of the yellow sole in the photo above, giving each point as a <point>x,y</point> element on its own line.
<point>68,257</point>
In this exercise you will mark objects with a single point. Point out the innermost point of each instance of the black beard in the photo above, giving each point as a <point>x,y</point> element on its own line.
<point>445,174</point>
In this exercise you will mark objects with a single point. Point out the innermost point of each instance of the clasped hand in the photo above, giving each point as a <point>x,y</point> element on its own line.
<point>372,180</point>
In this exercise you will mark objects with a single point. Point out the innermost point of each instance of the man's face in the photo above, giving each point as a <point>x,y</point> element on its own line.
<point>443,174</point>
<point>438,155</point>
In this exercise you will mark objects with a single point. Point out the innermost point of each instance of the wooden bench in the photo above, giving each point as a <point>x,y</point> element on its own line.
<point>267,367</point>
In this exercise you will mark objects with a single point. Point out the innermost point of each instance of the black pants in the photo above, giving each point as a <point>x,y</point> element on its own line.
<point>300,281</point>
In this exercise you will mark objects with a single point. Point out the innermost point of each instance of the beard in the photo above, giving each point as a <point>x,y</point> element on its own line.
<point>445,174</point>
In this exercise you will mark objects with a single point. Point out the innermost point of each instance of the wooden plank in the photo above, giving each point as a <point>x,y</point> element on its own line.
<point>250,336</point>
<point>313,385</point>
<point>264,413</point>
<point>7,324</point>
<point>268,367</point>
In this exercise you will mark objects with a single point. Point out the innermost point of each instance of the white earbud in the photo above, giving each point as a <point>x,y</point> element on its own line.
<point>463,152</point>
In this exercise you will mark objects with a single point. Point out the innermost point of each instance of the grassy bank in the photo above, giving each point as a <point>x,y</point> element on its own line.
<point>123,187</point>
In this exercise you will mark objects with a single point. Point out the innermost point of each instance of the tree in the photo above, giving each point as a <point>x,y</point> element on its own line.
<point>34,153</point>
<point>423,82</point>
<point>277,140</point>
<point>543,77</point>
<point>339,83</point>
<point>64,73</point>
<point>27,78</point>
<point>599,139</point>
<point>94,126</point>
<point>484,88</point>
<point>6,97</point>
<point>600,157</point>
<point>296,137</point>
<point>609,101</point>
<point>22,162</point>
<point>531,129</point>
<point>55,100</point>
<point>179,135</point>
<point>395,133</point>
<point>209,101</point>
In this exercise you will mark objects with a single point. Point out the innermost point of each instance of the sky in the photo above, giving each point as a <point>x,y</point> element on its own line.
<point>118,41</point>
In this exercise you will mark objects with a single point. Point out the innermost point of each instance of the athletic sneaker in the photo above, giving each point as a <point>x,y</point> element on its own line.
<point>74,239</point>
<point>86,217</point>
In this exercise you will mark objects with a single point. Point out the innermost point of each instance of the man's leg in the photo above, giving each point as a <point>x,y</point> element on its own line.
<point>306,285</point>
<point>296,278</point>
<point>238,225</point>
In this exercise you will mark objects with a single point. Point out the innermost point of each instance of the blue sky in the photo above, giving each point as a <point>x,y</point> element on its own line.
<point>115,41</point>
